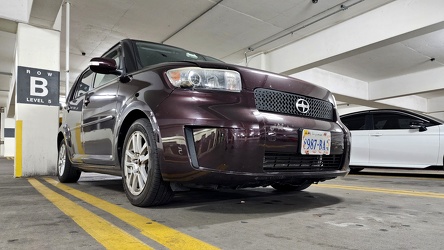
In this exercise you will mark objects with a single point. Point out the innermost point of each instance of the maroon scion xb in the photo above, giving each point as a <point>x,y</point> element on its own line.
<point>166,119</point>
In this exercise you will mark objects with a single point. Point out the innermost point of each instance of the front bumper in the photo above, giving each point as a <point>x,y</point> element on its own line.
<point>233,144</point>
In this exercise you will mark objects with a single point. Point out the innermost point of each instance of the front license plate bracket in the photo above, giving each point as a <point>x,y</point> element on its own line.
<point>315,142</point>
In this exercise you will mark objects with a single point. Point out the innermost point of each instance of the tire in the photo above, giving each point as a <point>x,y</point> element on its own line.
<point>142,180</point>
<point>287,187</point>
<point>65,171</point>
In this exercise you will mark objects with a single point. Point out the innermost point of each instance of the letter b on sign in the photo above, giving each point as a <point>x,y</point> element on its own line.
<point>38,86</point>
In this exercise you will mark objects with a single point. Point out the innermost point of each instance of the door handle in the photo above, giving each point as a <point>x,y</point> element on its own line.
<point>376,135</point>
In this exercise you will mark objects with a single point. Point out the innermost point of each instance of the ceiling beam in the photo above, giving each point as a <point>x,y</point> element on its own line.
<point>44,13</point>
<point>394,22</point>
<point>436,104</point>
<point>412,102</point>
<point>353,91</point>
<point>17,10</point>
<point>409,84</point>
<point>336,83</point>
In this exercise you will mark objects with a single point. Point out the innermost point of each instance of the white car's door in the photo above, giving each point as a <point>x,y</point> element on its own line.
<point>359,148</point>
<point>394,144</point>
<point>359,139</point>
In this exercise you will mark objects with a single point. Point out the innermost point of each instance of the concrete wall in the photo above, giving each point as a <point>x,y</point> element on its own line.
<point>8,148</point>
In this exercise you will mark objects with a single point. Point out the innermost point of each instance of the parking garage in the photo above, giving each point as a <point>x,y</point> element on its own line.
<point>370,55</point>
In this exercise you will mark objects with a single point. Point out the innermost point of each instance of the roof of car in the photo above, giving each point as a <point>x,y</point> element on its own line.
<point>381,110</point>
<point>405,111</point>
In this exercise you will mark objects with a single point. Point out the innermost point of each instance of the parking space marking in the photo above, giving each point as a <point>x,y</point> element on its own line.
<point>431,178</point>
<point>107,234</point>
<point>162,234</point>
<point>386,191</point>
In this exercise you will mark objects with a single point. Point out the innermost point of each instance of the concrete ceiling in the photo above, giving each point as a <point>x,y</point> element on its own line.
<point>229,30</point>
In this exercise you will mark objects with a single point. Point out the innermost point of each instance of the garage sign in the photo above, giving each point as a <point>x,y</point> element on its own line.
<point>38,86</point>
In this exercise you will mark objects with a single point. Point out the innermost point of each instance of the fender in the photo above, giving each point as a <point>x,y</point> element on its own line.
<point>132,110</point>
<point>66,134</point>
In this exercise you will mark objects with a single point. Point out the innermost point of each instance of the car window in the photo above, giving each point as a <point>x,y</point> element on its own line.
<point>355,122</point>
<point>392,121</point>
<point>104,78</point>
<point>84,84</point>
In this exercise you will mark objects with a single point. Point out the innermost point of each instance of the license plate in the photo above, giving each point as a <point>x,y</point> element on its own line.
<point>315,142</point>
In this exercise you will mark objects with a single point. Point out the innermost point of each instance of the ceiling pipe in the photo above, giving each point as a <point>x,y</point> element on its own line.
<point>192,21</point>
<point>68,12</point>
<point>301,25</point>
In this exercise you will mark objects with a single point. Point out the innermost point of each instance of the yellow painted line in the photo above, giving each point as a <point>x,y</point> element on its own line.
<point>110,236</point>
<point>384,190</point>
<point>408,176</point>
<point>18,172</point>
<point>166,236</point>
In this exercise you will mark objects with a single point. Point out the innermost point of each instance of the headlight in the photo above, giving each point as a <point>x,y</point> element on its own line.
<point>199,78</point>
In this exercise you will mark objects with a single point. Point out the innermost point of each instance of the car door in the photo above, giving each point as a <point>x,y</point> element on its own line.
<point>73,114</point>
<point>359,129</point>
<point>394,144</point>
<point>99,117</point>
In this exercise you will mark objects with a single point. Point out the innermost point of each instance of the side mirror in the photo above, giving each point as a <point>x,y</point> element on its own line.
<point>104,66</point>
<point>418,125</point>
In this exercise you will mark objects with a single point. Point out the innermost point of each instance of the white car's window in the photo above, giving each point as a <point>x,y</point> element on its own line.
<point>392,121</point>
<point>356,122</point>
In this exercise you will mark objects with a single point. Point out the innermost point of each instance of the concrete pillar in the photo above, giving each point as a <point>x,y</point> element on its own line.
<point>8,136</point>
<point>37,105</point>
<point>2,134</point>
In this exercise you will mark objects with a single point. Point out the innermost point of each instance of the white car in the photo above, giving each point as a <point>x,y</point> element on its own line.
<point>395,139</point>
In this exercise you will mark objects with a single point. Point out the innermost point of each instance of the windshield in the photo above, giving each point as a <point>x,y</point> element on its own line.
<point>151,53</point>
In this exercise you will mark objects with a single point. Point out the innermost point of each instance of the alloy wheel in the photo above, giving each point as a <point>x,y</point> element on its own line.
<point>137,162</point>
<point>62,159</point>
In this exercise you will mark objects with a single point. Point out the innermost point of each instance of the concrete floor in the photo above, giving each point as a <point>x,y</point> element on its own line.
<point>376,209</point>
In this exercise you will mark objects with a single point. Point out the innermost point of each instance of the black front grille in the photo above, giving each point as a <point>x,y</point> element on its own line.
<point>286,162</point>
<point>285,103</point>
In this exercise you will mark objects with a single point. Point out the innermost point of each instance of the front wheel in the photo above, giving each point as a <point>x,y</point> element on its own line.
<point>65,171</point>
<point>142,180</point>
<point>289,187</point>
